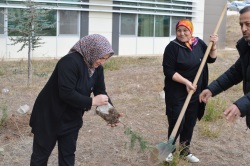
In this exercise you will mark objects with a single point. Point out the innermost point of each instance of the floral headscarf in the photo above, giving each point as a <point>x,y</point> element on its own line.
<point>188,24</point>
<point>92,47</point>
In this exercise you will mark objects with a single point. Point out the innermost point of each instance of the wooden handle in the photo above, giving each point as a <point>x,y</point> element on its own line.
<point>183,110</point>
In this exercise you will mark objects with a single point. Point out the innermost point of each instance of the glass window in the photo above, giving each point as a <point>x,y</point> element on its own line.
<point>162,26</point>
<point>173,24</point>
<point>68,4</point>
<point>145,25</point>
<point>1,21</point>
<point>13,22</point>
<point>175,21</point>
<point>45,21</point>
<point>128,24</point>
<point>166,1</point>
<point>69,22</point>
<point>70,0</point>
<point>49,24</point>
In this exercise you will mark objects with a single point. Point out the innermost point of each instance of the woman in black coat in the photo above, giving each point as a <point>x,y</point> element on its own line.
<point>181,61</point>
<point>59,107</point>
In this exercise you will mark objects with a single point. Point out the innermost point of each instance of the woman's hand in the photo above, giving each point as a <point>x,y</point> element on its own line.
<point>214,38</point>
<point>190,86</point>
<point>100,100</point>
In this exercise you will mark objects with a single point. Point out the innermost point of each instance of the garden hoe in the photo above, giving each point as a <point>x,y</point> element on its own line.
<point>162,150</point>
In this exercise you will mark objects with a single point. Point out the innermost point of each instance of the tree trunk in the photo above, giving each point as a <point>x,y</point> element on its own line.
<point>29,60</point>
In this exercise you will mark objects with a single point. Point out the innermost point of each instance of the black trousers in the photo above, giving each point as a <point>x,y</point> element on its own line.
<point>187,125</point>
<point>66,150</point>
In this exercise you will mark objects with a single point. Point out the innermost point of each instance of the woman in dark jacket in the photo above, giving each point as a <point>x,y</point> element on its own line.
<point>181,61</point>
<point>59,107</point>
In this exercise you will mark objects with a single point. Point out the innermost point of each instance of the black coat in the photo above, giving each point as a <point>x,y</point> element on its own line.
<point>61,103</point>
<point>240,71</point>
<point>178,58</point>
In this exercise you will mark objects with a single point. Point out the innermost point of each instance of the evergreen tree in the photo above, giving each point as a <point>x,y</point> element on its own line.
<point>27,27</point>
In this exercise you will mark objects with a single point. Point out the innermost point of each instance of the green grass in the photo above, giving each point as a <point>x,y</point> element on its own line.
<point>4,117</point>
<point>177,159</point>
<point>112,64</point>
<point>115,63</point>
<point>214,109</point>
<point>1,72</point>
<point>207,130</point>
<point>39,67</point>
<point>136,137</point>
<point>213,114</point>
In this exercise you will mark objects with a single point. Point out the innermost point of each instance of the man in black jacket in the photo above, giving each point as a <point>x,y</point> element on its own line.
<point>238,72</point>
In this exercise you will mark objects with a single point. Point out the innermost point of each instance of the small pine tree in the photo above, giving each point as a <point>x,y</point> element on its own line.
<point>28,28</point>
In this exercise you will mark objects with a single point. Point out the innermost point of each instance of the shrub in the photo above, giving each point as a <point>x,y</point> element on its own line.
<point>4,115</point>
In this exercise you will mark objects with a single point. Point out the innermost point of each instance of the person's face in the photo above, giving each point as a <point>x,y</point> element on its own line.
<point>101,61</point>
<point>183,34</point>
<point>245,25</point>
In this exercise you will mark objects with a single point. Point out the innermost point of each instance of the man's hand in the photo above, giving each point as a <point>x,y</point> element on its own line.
<point>204,96</point>
<point>232,112</point>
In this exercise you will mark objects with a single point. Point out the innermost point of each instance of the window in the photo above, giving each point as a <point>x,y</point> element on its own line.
<point>50,24</point>
<point>166,1</point>
<point>16,21</point>
<point>128,24</point>
<point>146,25</point>
<point>162,26</point>
<point>173,24</point>
<point>1,21</point>
<point>69,22</point>
<point>68,3</point>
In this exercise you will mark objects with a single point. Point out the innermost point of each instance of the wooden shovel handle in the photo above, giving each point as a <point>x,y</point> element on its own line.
<point>183,110</point>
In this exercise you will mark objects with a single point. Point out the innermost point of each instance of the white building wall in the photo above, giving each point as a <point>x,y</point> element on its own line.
<point>12,50</point>
<point>198,20</point>
<point>64,44</point>
<point>145,46</point>
<point>148,46</point>
<point>127,46</point>
<point>160,44</point>
<point>3,45</point>
<point>53,47</point>
<point>142,45</point>
<point>47,50</point>
<point>101,22</point>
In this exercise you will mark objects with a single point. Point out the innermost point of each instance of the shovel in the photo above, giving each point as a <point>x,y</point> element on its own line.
<point>162,150</point>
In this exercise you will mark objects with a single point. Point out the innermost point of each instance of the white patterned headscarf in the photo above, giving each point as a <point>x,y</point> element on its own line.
<point>92,47</point>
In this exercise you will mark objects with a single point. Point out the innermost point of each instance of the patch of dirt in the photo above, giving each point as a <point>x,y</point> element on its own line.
<point>135,91</point>
<point>111,118</point>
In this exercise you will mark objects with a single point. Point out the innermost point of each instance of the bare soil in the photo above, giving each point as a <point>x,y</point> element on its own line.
<point>135,90</point>
<point>112,117</point>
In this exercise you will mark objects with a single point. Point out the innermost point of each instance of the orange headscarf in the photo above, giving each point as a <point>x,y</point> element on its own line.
<point>189,25</point>
<point>186,23</point>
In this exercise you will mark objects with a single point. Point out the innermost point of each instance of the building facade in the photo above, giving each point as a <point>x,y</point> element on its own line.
<point>133,27</point>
